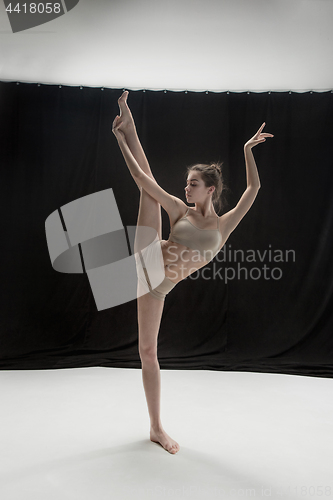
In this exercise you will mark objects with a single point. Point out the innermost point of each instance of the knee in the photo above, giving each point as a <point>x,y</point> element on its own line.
<point>148,354</point>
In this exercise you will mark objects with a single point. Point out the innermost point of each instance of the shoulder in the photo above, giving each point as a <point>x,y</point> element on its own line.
<point>180,209</point>
<point>223,219</point>
<point>231,219</point>
<point>224,225</point>
<point>181,206</point>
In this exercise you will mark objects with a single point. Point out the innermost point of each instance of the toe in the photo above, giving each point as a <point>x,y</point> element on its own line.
<point>123,97</point>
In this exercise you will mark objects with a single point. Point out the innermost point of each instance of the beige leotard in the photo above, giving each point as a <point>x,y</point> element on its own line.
<point>206,241</point>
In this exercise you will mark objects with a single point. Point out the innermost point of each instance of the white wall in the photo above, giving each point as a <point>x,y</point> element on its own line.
<point>213,45</point>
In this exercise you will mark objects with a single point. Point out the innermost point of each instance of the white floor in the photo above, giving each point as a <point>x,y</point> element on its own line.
<point>84,434</point>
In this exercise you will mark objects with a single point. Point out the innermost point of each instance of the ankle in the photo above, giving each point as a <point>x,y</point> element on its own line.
<point>156,426</point>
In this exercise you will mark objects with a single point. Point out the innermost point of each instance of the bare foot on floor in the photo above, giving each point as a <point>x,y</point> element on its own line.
<point>125,120</point>
<point>162,438</point>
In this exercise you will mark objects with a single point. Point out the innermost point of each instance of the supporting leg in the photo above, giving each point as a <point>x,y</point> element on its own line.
<point>149,318</point>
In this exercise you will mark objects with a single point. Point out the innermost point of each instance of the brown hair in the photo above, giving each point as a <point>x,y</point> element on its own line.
<point>212,176</point>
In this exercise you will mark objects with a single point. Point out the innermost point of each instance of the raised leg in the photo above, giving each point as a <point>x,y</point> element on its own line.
<point>127,125</point>
<point>150,209</point>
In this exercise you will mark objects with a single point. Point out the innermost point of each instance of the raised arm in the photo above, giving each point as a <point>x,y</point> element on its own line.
<point>232,218</point>
<point>171,204</point>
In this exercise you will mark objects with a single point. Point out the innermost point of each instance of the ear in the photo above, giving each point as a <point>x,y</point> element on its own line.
<point>211,189</point>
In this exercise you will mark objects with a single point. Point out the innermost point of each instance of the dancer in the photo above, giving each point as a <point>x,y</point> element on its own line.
<point>197,234</point>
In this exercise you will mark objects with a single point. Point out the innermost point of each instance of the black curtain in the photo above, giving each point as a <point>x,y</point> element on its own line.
<point>263,304</point>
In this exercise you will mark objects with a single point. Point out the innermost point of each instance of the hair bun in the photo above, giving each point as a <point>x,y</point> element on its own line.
<point>217,167</point>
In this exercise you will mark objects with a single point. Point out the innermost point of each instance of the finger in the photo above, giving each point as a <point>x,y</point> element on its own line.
<point>262,126</point>
<point>259,131</point>
<point>115,121</point>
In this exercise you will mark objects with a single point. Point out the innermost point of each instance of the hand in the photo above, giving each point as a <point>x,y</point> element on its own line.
<point>258,138</point>
<point>116,128</point>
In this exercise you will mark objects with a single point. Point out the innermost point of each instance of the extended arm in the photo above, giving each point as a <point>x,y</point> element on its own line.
<point>169,202</point>
<point>232,218</point>
<point>252,176</point>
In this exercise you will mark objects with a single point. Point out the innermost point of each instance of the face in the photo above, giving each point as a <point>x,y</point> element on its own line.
<point>195,190</point>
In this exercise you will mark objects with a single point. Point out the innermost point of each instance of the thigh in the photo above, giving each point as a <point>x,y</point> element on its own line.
<point>149,320</point>
<point>150,213</point>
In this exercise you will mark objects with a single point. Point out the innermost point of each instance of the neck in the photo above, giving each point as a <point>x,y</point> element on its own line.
<point>206,209</point>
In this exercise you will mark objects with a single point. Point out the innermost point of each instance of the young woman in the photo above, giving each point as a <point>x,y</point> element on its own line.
<point>197,234</point>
